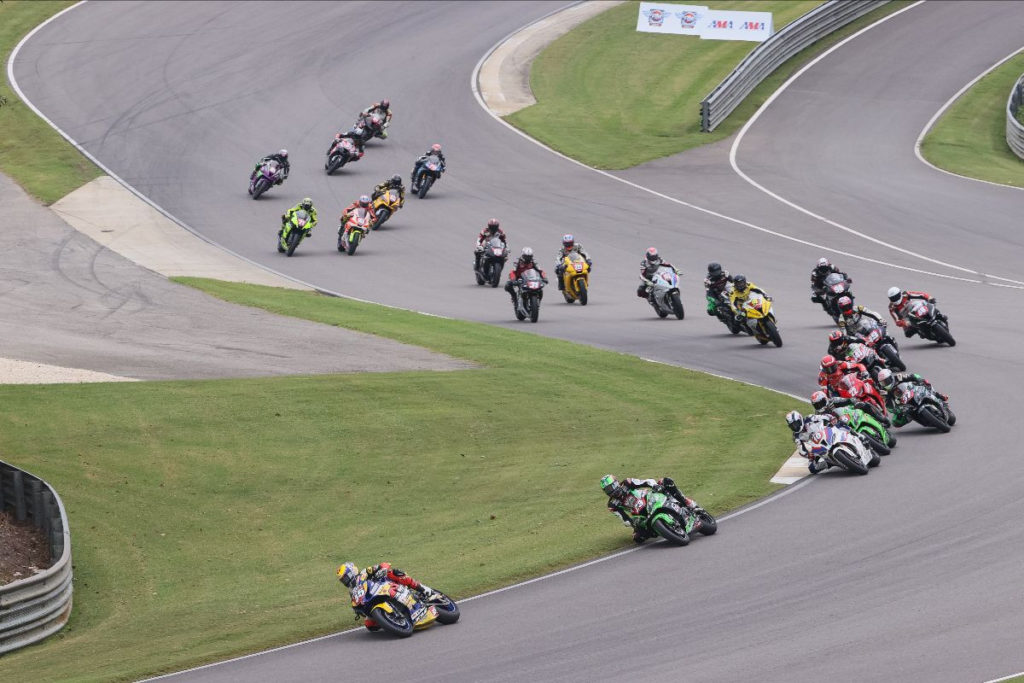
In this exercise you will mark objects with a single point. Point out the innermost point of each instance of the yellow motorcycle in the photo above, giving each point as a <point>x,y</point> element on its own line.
<point>760,320</point>
<point>385,206</point>
<point>400,610</point>
<point>575,278</point>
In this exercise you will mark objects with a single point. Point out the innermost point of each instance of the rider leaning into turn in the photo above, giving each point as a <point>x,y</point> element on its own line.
<point>392,183</point>
<point>351,577</point>
<point>899,307</point>
<point>826,405</point>
<point>622,500</point>
<point>305,205</point>
<point>850,315</point>
<point>362,203</point>
<point>818,275</point>
<point>281,157</point>
<point>804,430</point>
<point>887,383</point>
<point>357,140</point>
<point>569,244</point>
<point>741,289</point>
<point>524,263</point>
<point>716,283</point>
<point>648,267</point>
<point>832,371</point>
<point>492,229</point>
<point>435,150</point>
<point>384,107</point>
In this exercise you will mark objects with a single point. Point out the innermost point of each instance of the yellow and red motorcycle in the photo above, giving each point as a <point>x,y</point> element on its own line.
<point>385,206</point>
<point>400,610</point>
<point>575,278</point>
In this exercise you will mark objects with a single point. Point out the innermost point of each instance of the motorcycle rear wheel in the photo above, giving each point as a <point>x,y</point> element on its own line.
<point>396,621</point>
<point>708,524</point>
<point>662,313</point>
<point>674,535</point>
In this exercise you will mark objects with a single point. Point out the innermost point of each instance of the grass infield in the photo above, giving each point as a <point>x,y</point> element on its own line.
<point>970,137</point>
<point>208,517</point>
<point>612,97</point>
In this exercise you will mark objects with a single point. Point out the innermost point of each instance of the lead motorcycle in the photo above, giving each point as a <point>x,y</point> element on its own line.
<point>923,317</point>
<point>491,262</point>
<point>400,610</point>
<point>529,290</point>
<point>661,515</point>
<point>269,173</point>
<point>663,293</point>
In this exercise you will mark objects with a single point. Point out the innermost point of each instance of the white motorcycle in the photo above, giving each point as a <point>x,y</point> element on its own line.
<point>840,447</point>
<point>663,292</point>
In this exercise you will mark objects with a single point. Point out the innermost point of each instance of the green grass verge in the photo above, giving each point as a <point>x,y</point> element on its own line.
<point>208,517</point>
<point>604,78</point>
<point>970,137</point>
<point>31,152</point>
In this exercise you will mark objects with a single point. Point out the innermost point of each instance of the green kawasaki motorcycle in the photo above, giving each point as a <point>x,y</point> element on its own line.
<point>870,430</point>
<point>661,515</point>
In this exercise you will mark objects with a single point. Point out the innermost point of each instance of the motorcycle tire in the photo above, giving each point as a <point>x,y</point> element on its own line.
<point>875,443</point>
<point>708,524</point>
<point>533,304</point>
<point>396,622</point>
<point>892,357</point>
<point>495,275</point>
<point>260,187</point>
<point>480,279</point>
<point>674,535</point>
<point>849,461</point>
<point>942,334</point>
<point>352,244</point>
<point>950,416</point>
<point>929,417</point>
<point>383,214</point>
<point>658,309</point>
<point>773,333</point>
<point>677,306</point>
<point>447,610</point>
<point>875,461</point>
<point>334,163</point>
<point>581,291</point>
<point>520,316</point>
<point>341,243</point>
<point>294,237</point>
<point>425,182</point>
<point>569,298</point>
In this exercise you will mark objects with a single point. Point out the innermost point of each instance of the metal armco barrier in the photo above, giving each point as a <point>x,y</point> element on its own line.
<point>38,606</point>
<point>1014,129</point>
<point>772,53</point>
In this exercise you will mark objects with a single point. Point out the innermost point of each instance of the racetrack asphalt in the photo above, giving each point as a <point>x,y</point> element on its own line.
<point>912,573</point>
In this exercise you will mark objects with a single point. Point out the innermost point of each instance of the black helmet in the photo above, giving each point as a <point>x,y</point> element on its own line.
<point>652,256</point>
<point>396,179</point>
<point>739,282</point>
<point>492,225</point>
<point>385,103</point>
<point>714,270</point>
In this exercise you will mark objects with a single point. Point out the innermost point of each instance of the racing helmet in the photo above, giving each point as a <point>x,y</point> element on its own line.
<point>364,201</point>
<point>385,103</point>
<point>714,270</point>
<point>845,305</point>
<point>609,484</point>
<point>396,179</point>
<point>739,283</point>
<point>894,294</point>
<point>568,241</point>
<point>819,400</point>
<point>527,255</point>
<point>795,421</point>
<point>347,574</point>
<point>885,379</point>
<point>492,225</point>
<point>828,364</point>
<point>283,153</point>
<point>823,264</point>
<point>835,336</point>
<point>435,148</point>
<point>306,204</point>
<point>652,256</point>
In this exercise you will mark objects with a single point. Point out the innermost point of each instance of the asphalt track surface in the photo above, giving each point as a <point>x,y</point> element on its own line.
<point>912,573</point>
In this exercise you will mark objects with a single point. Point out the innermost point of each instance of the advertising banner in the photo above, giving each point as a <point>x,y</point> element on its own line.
<point>698,20</point>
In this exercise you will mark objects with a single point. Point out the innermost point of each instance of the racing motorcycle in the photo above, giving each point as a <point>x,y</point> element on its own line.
<point>375,125</point>
<point>575,278</point>
<point>385,206</point>
<point>870,430</point>
<point>294,231</point>
<point>851,386</point>
<point>354,230</point>
<point>723,311</point>
<point>922,405</point>
<point>529,289</point>
<point>661,515</point>
<point>491,262</point>
<point>264,178</point>
<point>428,174</point>
<point>400,610</point>
<point>922,316</point>
<point>835,287</point>
<point>865,355</point>
<point>663,293</point>
<point>341,152</point>
<point>873,333</point>
<point>759,319</point>
<point>840,448</point>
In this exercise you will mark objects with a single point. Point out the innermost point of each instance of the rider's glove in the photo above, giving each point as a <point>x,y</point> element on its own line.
<point>667,481</point>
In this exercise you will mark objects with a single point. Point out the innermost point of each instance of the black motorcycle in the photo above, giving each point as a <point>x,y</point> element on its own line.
<point>491,262</point>
<point>924,317</point>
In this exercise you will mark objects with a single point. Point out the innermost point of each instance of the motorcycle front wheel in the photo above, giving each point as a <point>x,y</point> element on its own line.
<point>447,610</point>
<point>533,304</point>
<point>383,214</point>
<point>773,333</point>
<point>942,334</point>
<point>581,290</point>
<point>294,237</point>
<point>929,417</point>
<point>425,182</point>
<point>352,244</point>
<point>677,306</point>
<point>849,461</point>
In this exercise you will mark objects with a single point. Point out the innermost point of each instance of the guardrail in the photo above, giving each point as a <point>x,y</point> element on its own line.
<point>1014,128</point>
<point>771,54</point>
<point>38,606</point>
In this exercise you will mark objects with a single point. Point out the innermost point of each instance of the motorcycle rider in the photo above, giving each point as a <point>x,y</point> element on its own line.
<point>622,499</point>
<point>648,267</point>
<point>818,275</point>
<point>839,343</point>
<point>281,157</point>
<point>392,183</point>
<point>850,316</point>
<point>351,578</point>
<point>899,301</point>
<point>493,229</point>
<point>716,283</point>
<point>435,150</point>
<point>357,140</point>
<point>832,371</point>
<point>524,263</point>
<point>826,405</point>
<point>305,205</point>
<point>362,203</point>
<point>887,383</point>
<point>804,429</point>
<point>384,107</point>
<point>569,245</point>
<point>741,289</point>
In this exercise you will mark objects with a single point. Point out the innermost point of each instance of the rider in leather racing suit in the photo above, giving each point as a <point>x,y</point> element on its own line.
<point>826,405</point>
<point>435,150</point>
<point>899,307</point>
<point>492,229</point>
<point>524,263</point>
<point>281,157</point>
<point>351,577</point>
<point>887,383</point>
<point>648,267</point>
<point>850,315</point>
<point>804,429</point>
<point>621,498</point>
<point>832,371</point>
<point>569,244</point>
<point>392,183</point>
<point>818,275</point>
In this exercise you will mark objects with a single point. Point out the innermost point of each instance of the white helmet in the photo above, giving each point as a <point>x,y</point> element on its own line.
<point>894,294</point>
<point>527,254</point>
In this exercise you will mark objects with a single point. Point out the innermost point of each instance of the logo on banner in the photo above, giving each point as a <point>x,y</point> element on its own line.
<point>688,19</point>
<point>655,16</point>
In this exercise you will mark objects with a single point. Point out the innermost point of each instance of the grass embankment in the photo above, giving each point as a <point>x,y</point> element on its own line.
<point>208,517</point>
<point>31,152</point>
<point>970,137</point>
<point>613,97</point>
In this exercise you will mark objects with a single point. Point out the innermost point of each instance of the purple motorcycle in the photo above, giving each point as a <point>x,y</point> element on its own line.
<point>269,173</point>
